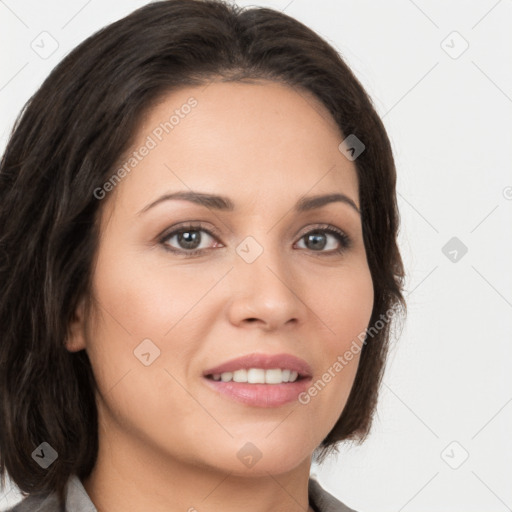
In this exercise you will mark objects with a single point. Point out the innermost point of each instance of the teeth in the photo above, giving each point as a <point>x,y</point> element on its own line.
<point>258,376</point>
<point>239,376</point>
<point>226,376</point>
<point>272,376</point>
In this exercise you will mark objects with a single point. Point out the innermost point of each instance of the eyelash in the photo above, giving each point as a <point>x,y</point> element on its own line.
<point>345,241</point>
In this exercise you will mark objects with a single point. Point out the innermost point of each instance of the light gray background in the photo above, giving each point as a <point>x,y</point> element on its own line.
<point>447,391</point>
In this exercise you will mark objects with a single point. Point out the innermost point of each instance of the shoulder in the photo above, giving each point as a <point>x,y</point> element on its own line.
<point>77,500</point>
<point>322,501</point>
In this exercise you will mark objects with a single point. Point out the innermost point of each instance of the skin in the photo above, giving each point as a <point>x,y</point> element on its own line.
<point>167,442</point>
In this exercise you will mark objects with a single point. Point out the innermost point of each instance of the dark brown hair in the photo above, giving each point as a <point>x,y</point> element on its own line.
<point>65,144</point>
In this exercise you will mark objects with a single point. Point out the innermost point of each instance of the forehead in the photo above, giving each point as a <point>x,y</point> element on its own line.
<point>261,143</point>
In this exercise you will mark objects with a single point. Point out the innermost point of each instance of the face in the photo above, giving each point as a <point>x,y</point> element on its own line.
<point>262,278</point>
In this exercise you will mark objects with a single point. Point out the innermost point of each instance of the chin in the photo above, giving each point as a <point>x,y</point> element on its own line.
<point>259,456</point>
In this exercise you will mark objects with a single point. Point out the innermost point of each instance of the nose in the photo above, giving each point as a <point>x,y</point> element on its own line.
<point>266,293</point>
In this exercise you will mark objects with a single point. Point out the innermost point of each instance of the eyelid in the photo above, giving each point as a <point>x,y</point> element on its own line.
<point>192,226</point>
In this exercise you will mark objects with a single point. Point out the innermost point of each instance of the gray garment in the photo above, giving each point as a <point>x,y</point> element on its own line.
<point>77,500</point>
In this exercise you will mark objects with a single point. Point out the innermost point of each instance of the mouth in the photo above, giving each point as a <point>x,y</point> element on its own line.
<point>260,380</point>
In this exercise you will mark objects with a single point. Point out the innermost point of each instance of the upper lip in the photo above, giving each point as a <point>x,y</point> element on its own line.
<point>264,361</point>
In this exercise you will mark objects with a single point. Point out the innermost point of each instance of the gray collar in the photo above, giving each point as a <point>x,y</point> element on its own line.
<point>321,500</point>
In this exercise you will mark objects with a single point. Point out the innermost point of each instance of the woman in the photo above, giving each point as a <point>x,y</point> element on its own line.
<point>200,267</point>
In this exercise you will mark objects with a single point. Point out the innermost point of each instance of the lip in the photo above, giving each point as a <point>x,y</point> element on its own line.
<point>265,362</point>
<point>262,395</point>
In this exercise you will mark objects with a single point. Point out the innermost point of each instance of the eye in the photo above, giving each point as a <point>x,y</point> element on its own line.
<point>188,239</point>
<point>317,239</point>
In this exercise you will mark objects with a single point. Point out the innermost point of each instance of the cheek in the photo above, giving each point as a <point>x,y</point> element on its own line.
<point>140,311</point>
<point>345,307</point>
<point>344,310</point>
<point>144,300</point>
<point>137,301</point>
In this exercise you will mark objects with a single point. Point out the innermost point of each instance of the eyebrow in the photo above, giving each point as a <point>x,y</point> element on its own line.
<point>223,203</point>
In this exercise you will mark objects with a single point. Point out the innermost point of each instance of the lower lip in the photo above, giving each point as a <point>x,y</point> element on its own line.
<point>261,395</point>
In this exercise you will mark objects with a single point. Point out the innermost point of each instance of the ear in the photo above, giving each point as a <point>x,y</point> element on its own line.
<point>75,340</point>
